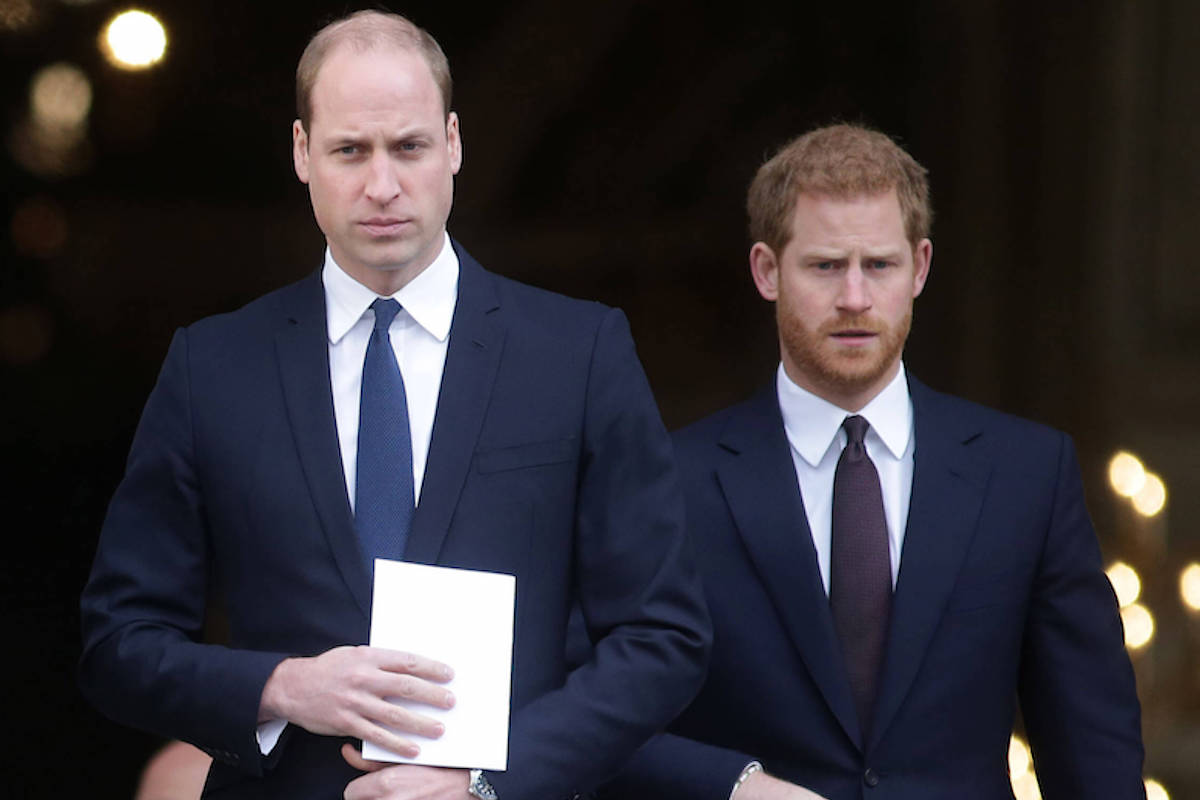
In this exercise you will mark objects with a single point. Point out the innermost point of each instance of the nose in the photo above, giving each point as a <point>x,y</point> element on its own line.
<point>383,186</point>
<point>854,295</point>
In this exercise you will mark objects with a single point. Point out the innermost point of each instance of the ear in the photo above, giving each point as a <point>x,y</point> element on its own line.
<point>922,261</point>
<point>454,143</point>
<point>300,151</point>
<point>764,267</point>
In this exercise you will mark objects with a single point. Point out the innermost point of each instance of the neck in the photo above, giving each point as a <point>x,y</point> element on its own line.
<point>386,280</point>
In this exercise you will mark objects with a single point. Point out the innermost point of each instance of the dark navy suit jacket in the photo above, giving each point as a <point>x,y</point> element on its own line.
<point>1000,596</point>
<point>548,461</point>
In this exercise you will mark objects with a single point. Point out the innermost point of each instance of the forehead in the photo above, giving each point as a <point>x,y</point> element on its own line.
<point>871,219</point>
<point>379,80</point>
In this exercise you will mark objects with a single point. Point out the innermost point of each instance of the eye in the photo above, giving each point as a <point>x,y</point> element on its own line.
<point>825,266</point>
<point>879,264</point>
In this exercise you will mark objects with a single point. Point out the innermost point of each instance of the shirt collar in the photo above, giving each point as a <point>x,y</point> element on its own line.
<point>428,298</point>
<point>812,423</point>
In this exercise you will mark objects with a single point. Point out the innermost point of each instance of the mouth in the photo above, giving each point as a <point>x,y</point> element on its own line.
<point>384,226</point>
<point>854,336</point>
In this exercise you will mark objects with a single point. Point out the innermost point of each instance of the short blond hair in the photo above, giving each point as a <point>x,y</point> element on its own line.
<point>364,31</point>
<point>841,161</point>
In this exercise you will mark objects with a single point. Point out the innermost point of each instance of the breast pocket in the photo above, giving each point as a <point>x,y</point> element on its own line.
<point>524,456</point>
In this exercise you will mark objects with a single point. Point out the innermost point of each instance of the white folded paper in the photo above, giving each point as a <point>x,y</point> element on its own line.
<point>462,618</point>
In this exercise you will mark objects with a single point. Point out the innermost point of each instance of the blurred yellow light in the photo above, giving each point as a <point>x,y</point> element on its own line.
<point>1155,790</point>
<point>1125,583</point>
<point>135,40</point>
<point>1025,787</point>
<point>1189,586</point>
<point>1139,626</point>
<point>1126,474</point>
<point>1152,497</point>
<point>60,96</point>
<point>1018,757</point>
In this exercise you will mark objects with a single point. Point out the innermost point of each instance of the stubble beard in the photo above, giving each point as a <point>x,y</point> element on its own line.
<point>841,370</point>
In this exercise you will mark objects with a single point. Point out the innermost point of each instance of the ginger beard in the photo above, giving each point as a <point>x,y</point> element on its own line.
<point>845,369</point>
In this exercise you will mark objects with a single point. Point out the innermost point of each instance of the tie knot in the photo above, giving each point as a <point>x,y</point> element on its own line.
<point>386,310</point>
<point>856,429</point>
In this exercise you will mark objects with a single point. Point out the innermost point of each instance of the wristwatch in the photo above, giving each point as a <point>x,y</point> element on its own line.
<point>479,786</point>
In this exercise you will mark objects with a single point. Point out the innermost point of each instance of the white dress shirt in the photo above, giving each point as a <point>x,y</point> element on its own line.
<point>419,334</point>
<point>814,431</point>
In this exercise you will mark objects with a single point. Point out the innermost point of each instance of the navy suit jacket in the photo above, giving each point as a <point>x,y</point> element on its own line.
<point>548,461</point>
<point>1000,596</point>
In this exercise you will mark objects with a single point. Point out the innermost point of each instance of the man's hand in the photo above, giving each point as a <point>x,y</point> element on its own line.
<point>344,691</point>
<point>761,786</point>
<point>404,781</point>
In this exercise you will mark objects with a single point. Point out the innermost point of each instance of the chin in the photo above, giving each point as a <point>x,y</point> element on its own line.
<point>392,260</point>
<point>854,374</point>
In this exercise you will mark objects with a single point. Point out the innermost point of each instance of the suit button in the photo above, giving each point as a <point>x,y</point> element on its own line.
<point>871,778</point>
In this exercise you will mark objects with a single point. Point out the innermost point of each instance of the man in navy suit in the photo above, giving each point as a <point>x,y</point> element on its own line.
<point>532,447</point>
<point>874,628</point>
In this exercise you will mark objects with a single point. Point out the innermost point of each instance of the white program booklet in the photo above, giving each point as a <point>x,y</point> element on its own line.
<point>462,618</point>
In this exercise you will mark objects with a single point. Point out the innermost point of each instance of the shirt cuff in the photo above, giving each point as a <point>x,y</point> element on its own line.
<point>268,734</point>
<point>747,771</point>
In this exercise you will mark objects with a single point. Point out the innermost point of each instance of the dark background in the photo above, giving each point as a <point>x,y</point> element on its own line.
<point>607,150</point>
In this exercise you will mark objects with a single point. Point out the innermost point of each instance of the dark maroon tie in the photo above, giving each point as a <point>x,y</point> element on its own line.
<point>860,573</point>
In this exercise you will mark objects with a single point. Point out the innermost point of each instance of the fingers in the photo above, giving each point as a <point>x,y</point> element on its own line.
<point>411,690</point>
<point>385,724</point>
<point>413,664</point>
<point>355,759</point>
<point>350,691</point>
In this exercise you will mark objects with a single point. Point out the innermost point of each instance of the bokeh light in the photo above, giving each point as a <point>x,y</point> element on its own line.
<point>1189,586</point>
<point>1126,474</point>
<point>17,15</point>
<point>1125,582</point>
<point>1152,497</point>
<point>1139,626</point>
<point>51,140</point>
<point>48,150</point>
<point>1155,790</point>
<point>134,40</point>
<point>60,95</point>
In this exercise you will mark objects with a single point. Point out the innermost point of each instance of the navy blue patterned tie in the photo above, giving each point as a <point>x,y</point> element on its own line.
<point>383,504</point>
<point>860,573</point>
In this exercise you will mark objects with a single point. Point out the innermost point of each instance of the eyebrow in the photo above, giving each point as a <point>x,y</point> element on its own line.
<point>817,254</point>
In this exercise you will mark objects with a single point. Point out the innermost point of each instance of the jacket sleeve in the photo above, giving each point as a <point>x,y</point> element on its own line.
<point>638,591</point>
<point>142,609</point>
<point>1077,686</point>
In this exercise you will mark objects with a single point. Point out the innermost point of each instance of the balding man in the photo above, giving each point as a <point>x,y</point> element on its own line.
<point>402,402</point>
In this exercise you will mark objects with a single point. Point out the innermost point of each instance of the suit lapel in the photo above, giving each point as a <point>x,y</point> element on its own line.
<point>947,493</point>
<point>760,486</point>
<point>302,344</point>
<point>473,355</point>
